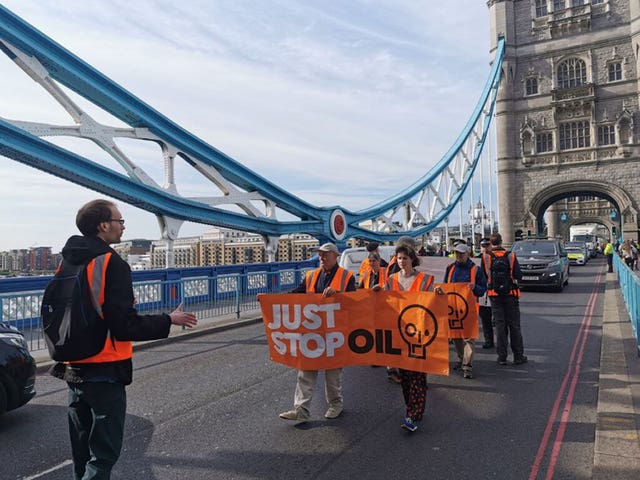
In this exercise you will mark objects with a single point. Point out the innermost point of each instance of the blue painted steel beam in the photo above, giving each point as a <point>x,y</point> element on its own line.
<point>33,151</point>
<point>80,77</point>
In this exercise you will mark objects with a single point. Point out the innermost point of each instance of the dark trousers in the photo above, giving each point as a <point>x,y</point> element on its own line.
<point>610,262</point>
<point>506,315</point>
<point>414,390</point>
<point>487,323</point>
<point>96,427</point>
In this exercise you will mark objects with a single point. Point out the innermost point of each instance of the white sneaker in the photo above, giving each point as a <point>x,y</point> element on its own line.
<point>333,412</point>
<point>297,414</point>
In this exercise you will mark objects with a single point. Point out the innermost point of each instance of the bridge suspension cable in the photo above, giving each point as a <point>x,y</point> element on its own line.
<point>240,198</point>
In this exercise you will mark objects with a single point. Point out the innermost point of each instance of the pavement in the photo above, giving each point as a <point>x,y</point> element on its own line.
<point>617,444</point>
<point>617,439</point>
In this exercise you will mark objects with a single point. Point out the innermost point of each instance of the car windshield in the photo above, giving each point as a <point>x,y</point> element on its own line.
<point>574,249</point>
<point>535,249</point>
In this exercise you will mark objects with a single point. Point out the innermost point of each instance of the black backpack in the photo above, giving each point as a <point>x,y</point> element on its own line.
<point>72,327</point>
<point>501,282</point>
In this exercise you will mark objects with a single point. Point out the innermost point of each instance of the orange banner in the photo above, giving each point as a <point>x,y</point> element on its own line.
<point>463,310</point>
<point>407,330</point>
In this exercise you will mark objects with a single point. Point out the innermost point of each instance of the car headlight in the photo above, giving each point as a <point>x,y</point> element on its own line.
<point>14,339</point>
<point>555,263</point>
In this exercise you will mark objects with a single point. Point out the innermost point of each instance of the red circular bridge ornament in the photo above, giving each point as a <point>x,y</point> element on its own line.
<point>338,224</point>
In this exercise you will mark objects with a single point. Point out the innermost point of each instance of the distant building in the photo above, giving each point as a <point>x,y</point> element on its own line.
<point>139,261</point>
<point>186,252</point>
<point>132,247</point>
<point>40,259</point>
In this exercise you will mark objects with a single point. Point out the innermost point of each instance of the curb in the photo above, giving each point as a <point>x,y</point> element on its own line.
<point>617,443</point>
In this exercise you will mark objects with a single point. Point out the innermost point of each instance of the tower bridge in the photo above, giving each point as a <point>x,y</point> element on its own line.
<point>567,113</point>
<point>562,86</point>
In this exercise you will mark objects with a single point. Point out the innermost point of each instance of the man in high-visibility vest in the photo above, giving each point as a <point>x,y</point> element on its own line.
<point>608,252</point>
<point>97,398</point>
<point>505,305</point>
<point>329,279</point>
<point>463,270</point>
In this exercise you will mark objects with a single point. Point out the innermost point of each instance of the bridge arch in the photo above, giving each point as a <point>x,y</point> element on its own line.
<point>626,215</point>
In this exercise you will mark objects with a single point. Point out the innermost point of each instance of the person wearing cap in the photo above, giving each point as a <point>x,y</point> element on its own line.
<point>329,279</point>
<point>414,384</point>
<point>505,307</point>
<point>463,270</point>
<point>485,308</point>
<point>372,247</point>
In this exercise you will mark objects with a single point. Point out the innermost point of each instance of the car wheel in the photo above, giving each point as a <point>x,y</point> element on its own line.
<point>3,399</point>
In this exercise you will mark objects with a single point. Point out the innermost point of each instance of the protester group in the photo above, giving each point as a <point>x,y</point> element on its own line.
<point>97,364</point>
<point>494,283</point>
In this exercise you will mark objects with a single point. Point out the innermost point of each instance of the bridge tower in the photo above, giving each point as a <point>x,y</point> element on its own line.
<point>568,139</point>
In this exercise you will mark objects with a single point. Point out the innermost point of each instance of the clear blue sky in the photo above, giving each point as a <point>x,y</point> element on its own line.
<point>341,102</point>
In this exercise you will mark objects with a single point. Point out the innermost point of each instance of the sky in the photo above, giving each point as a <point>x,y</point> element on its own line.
<point>340,102</point>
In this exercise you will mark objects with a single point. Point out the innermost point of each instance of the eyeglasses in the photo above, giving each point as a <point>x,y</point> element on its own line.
<point>119,220</point>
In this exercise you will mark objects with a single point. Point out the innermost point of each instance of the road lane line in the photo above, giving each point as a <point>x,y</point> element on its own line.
<point>556,405</point>
<point>52,469</point>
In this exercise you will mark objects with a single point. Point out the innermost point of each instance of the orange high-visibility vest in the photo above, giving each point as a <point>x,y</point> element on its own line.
<point>365,266</point>
<point>113,350</point>
<point>421,283</point>
<point>382,277</point>
<point>339,281</point>
<point>487,260</point>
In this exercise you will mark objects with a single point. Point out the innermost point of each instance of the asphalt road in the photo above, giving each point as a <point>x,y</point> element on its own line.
<point>207,407</point>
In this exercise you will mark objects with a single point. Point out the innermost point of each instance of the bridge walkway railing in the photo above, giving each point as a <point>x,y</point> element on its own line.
<point>213,293</point>
<point>630,287</point>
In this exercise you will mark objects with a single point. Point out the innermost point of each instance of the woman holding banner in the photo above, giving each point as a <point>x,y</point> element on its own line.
<point>414,384</point>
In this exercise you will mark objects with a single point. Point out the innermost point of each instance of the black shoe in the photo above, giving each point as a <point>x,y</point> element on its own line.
<point>502,361</point>
<point>520,360</point>
<point>487,345</point>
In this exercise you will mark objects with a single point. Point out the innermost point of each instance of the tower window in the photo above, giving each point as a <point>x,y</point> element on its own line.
<point>615,71</point>
<point>544,142</point>
<point>532,86</point>
<point>607,135</point>
<point>574,135</point>
<point>572,73</point>
<point>541,8</point>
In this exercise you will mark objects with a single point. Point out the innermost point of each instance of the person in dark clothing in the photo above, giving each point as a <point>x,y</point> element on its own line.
<point>329,279</point>
<point>484,313</point>
<point>97,398</point>
<point>505,308</point>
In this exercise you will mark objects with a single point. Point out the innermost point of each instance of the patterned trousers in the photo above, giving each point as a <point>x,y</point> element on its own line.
<point>414,390</point>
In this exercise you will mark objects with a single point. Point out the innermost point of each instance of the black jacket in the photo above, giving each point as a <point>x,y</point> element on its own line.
<point>123,320</point>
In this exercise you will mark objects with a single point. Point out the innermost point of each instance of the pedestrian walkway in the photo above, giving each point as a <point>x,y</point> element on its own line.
<point>617,445</point>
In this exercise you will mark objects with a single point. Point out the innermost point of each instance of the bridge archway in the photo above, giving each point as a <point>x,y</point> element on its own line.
<point>626,213</point>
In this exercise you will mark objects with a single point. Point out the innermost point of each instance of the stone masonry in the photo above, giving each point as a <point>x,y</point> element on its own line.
<point>567,113</point>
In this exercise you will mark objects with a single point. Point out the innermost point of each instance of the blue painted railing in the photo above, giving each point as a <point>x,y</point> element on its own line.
<point>630,286</point>
<point>210,292</point>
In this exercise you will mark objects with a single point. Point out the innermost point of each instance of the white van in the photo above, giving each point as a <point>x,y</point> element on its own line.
<point>351,258</point>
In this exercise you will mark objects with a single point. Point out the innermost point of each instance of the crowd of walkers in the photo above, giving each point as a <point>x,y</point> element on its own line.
<point>494,283</point>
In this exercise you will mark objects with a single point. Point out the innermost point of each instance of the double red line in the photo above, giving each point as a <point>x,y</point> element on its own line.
<point>571,379</point>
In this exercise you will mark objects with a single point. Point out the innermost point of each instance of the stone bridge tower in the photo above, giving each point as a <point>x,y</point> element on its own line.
<point>567,115</point>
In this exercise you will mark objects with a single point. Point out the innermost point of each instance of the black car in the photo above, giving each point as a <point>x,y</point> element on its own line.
<point>544,263</point>
<point>17,369</point>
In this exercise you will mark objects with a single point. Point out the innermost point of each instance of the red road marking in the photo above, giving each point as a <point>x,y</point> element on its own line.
<point>573,372</point>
